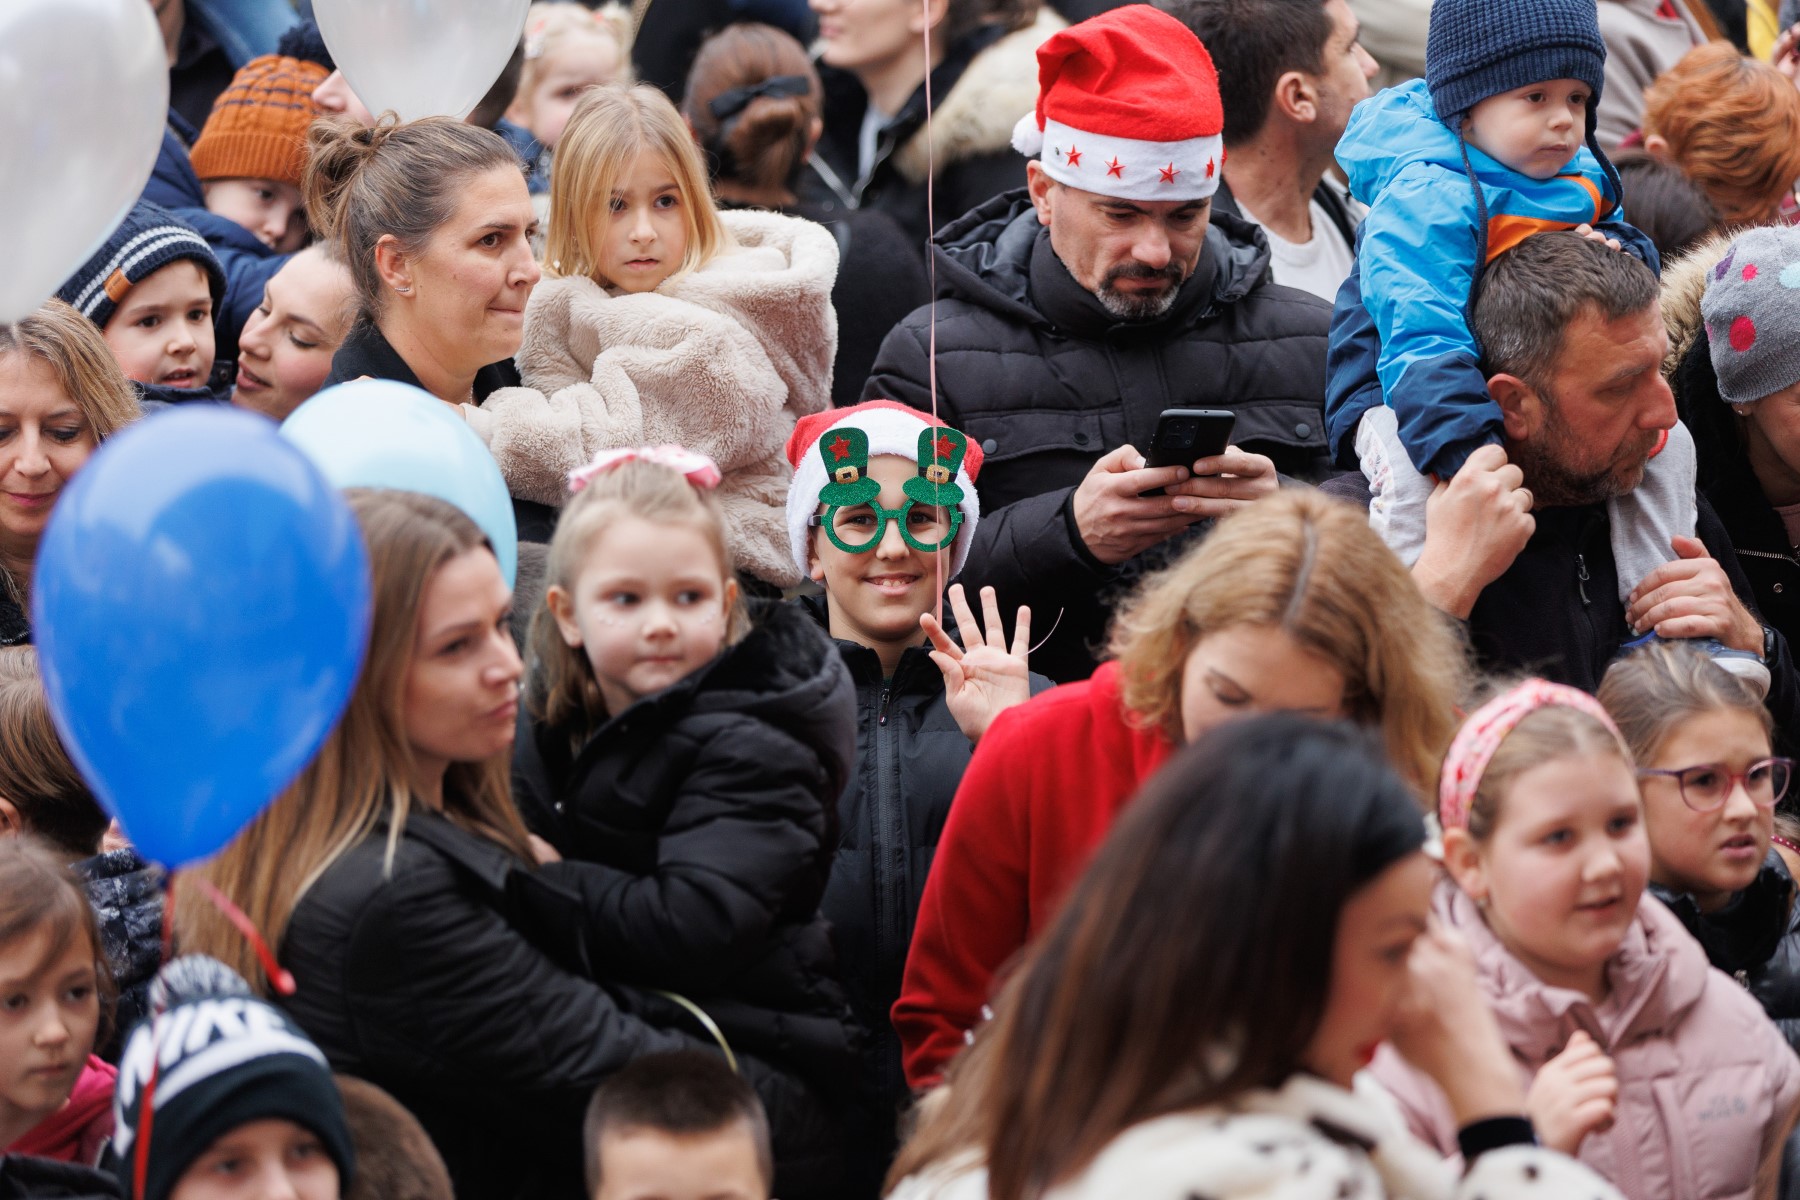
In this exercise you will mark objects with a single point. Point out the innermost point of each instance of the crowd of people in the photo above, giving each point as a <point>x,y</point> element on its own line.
<point>903,766</point>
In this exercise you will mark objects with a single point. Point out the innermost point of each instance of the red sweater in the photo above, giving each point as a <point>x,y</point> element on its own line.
<point>1039,796</point>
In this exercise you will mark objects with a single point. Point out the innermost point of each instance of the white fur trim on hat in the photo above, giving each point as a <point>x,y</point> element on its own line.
<point>890,431</point>
<point>1125,168</point>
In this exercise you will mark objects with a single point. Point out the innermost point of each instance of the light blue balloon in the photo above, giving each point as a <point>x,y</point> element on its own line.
<point>200,606</point>
<point>379,433</point>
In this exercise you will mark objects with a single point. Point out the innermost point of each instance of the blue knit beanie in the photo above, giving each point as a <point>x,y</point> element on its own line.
<point>1477,48</point>
<point>147,240</point>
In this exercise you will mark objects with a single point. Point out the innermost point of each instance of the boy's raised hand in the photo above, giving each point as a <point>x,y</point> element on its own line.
<point>1573,1095</point>
<point>982,677</point>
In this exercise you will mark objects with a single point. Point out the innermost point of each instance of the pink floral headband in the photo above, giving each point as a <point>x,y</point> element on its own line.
<point>698,469</point>
<point>1480,737</point>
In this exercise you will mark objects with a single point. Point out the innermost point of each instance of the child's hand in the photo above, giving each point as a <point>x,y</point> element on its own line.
<point>1573,1095</point>
<point>1785,54</point>
<point>1594,235</point>
<point>982,678</point>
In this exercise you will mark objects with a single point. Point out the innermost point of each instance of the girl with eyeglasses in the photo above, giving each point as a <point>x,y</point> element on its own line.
<point>1710,784</point>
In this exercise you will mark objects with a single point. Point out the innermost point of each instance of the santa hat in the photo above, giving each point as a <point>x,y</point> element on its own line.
<point>1128,106</point>
<point>871,428</point>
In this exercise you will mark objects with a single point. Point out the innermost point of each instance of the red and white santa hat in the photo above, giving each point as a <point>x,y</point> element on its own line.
<point>892,428</point>
<point>1128,106</point>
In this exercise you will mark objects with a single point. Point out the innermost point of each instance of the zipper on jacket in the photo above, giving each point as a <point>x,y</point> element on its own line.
<point>889,836</point>
<point>1581,580</point>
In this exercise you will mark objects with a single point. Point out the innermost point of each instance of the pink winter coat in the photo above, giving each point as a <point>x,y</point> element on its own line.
<point>1707,1086</point>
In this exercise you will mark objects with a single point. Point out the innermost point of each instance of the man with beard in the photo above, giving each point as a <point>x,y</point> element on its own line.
<point>1073,312</point>
<point>1517,542</point>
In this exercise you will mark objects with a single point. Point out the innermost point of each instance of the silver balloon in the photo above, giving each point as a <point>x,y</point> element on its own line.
<point>421,58</point>
<point>84,96</point>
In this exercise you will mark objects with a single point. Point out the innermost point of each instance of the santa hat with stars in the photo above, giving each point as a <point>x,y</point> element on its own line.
<point>847,438</point>
<point>1128,106</point>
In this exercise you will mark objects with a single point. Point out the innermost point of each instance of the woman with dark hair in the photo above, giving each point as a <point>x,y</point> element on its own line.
<point>753,101</point>
<point>982,68</point>
<point>1123,1061</point>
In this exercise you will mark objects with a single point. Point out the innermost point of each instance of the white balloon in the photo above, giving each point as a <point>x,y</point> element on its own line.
<point>421,58</point>
<point>84,96</point>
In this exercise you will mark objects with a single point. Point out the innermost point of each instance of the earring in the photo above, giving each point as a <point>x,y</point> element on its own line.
<point>403,290</point>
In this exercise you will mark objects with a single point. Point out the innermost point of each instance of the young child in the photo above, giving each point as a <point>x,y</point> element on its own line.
<point>568,49</point>
<point>55,1096</point>
<point>243,1104</point>
<point>151,290</point>
<point>669,322</point>
<point>1710,782</point>
<point>1656,1070</point>
<point>683,756</point>
<point>1494,145</point>
<point>252,151</point>
<point>677,1126</point>
<point>42,794</point>
<point>880,512</point>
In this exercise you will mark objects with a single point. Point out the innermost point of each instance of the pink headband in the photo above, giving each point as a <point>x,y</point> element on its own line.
<point>1480,736</point>
<point>699,470</point>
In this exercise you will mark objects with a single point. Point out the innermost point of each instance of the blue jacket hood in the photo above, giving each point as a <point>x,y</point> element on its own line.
<point>1390,131</point>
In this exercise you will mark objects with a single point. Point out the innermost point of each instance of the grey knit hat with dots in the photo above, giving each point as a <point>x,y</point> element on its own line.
<point>1752,314</point>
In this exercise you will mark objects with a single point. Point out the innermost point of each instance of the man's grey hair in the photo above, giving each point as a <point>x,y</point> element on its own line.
<point>1531,294</point>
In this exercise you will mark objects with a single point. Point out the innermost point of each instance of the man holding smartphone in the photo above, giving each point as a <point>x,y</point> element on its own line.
<point>1079,308</point>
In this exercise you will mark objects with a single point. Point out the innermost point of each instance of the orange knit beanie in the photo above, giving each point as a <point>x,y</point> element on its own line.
<point>257,129</point>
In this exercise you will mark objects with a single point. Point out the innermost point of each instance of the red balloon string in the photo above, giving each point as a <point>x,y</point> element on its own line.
<point>140,1166</point>
<point>279,977</point>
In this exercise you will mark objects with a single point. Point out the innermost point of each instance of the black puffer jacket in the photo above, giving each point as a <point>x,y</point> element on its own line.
<point>126,894</point>
<point>1755,939</point>
<point>1046,381</point>
<point>698,827</point>
<point>910,756</point>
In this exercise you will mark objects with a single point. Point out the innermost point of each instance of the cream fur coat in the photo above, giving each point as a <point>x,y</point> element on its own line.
<point>722,360</point>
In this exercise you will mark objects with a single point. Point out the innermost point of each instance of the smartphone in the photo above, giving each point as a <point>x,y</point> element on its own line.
<point>1184,435</point>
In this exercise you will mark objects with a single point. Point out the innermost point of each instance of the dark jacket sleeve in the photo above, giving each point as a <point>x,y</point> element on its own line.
<point>1634,242</point>
<point>742,848</point>
<point>442,990</point>
<point>1783,700</point>
<point>1352,385</point>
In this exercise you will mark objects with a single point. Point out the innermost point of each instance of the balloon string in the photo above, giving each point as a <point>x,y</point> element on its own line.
<point>937,557</point>
<point>140,1165</point>
<point>279,977</point>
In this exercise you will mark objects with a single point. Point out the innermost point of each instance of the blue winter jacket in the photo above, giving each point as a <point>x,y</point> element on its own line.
<point>249,265</point>
<point>1400,328</point>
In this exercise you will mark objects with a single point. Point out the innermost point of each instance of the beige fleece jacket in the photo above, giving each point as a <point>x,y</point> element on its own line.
<point>722,360</point>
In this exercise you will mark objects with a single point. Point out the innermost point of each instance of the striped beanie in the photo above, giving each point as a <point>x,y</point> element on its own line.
<point>257,129</point>
<point>149,239</point>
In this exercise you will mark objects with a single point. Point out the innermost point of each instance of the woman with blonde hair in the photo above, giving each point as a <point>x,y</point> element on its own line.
<point>1291,604</point>
<point>667,322</point>
<point>61,395</point>
<point>1732,124</point>
<point>396,880</point>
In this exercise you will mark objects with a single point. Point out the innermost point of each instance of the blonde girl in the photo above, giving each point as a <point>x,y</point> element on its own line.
<point>667,321</point>
<point>568,49</point>
<point>1651,1067</point>
<point>1710,780</point>
<point>684,758</point>
<point>55,1096</point>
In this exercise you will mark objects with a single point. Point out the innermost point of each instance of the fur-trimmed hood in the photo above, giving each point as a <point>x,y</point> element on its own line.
<point>977,117</point>
<point>1683,287</point>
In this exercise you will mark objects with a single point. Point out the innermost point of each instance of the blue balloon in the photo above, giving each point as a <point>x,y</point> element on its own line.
<point>380,433</point>
<point>201,606</point>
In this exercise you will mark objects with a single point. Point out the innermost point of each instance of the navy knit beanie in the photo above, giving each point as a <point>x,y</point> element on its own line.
<point>1476,48</point>
<point>149,239</point>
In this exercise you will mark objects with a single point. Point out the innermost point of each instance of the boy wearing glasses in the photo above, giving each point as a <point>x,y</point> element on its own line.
<point>880,514</point>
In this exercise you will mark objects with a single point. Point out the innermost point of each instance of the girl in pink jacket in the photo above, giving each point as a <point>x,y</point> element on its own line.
<point>1656,1070</point>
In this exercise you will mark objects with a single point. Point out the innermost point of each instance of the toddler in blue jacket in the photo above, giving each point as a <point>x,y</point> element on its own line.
<point>1496,144</point>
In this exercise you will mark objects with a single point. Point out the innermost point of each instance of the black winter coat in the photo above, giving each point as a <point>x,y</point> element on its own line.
<point>126,894</point>
<point>697,827</point>
<point>1756,529</point>
<point>1046,381</point>
<point>1755,939</point>
<point>910,757</point>
<point>366,352</point>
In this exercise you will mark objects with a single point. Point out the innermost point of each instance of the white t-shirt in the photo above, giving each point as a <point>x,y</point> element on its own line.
<point>873,122</point>
<point>1319,266</point>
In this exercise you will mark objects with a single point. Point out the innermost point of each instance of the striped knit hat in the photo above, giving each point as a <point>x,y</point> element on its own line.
<point>149,239</point>
<point>257,129</point>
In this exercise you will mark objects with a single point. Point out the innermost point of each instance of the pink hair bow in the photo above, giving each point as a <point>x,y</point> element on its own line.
<point>1480,736</point>
<point>697,468</point>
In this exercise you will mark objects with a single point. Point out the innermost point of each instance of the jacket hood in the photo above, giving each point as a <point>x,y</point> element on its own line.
<point>1683,287</point>
<point>1745,933</point>
<point>1656,976</point>
<point>999,86</point>
<point>1390,131</point>
<point>984,257</point>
